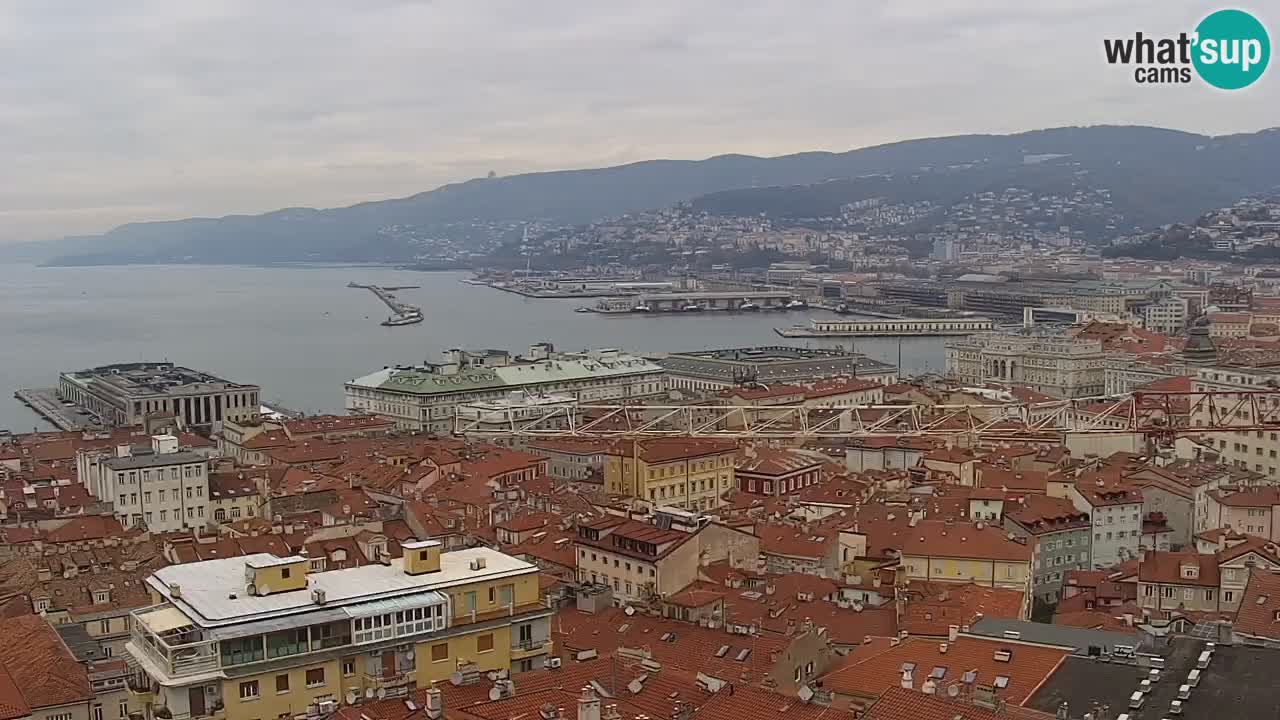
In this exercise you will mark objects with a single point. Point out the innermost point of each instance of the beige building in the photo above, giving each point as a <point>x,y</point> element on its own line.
<point>125,394</point>
<point>1061,367</point>
<point>1251,510</point>
<point>641,560</point>
<point>686,473</point>
<point>942,551</point>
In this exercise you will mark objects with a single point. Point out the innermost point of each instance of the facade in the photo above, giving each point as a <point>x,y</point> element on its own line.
<point>776,473</point>
<point>424,397</point>
<point>1116,511</point>
<point>263,637</point>
<point>518,409</point>
<point>1250,510</point>
<point>573,459</point>
<point>127,393</point>
<point>160,487</point>
<point>640,560</point>
<point>232,496</point>
<point>716,370</point>
<point>677,472</point>
<point>1058,366</point>
<point>1062,534</point>
<point>1257,451</point>
<point>1167,315</point>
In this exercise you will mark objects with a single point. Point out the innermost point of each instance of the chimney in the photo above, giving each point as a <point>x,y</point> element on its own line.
<point>421,557</point>
<point>588,704</point>
<point>435,704</point>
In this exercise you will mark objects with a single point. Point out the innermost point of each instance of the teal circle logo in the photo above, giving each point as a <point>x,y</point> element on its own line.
<point>1231,49</point>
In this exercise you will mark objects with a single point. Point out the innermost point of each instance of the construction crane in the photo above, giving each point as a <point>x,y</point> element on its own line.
<point>1159,416</point>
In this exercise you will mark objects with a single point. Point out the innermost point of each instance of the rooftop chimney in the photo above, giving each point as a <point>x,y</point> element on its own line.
<point>588,704</point>
<point>435,704</point>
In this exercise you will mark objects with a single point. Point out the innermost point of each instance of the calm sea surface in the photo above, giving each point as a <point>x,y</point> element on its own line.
<point>300,332</point>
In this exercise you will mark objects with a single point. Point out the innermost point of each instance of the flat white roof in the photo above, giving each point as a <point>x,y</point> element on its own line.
<point>207,587</point>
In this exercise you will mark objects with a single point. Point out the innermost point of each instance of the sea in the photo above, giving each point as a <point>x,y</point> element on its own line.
<point>299,332</point>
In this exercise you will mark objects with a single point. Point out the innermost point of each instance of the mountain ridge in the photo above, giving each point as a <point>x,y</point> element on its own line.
<point>302,234</point>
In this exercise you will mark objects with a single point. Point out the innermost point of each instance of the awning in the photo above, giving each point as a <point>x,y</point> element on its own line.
<point>403,602</point>
<point>165,619</point>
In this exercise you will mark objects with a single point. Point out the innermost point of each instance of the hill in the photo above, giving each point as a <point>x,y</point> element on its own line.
<point>1157,176</point>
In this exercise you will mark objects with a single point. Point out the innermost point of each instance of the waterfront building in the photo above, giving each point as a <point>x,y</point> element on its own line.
<point>262,636</point>
<point>1062,367</point>
<point>127,393</point>
<point>425,397</point>
<point>715,370</point>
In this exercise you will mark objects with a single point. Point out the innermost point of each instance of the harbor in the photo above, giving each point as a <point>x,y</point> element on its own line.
<point>65,416</point>
<point>401,313</point>
<point>895,327</point>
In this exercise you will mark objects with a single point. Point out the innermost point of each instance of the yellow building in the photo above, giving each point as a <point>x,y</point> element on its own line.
<point>943,551</point>
<point>261,637</point>
<point>686,473</point>
<point>233,496</point>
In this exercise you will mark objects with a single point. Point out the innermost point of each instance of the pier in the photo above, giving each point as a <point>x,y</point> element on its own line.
<point>402,313</point>
<point>46,403</point>
<point>897,327</point>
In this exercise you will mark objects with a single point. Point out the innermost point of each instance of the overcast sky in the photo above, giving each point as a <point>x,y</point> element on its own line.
<point>125,110</point>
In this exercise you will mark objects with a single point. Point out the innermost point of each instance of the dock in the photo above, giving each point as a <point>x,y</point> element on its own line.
<point>401,312</point>
<point>46,403</point>
<point>896,327</point>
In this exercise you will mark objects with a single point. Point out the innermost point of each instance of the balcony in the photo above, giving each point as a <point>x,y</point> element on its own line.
<point>163,637</point>
<point>521,649</point>
<point>393,685</point>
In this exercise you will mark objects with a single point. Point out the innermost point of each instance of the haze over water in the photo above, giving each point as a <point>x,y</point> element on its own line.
<point>300,332</point>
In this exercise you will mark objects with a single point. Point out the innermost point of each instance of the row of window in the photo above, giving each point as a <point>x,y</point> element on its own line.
<point>192,513</point>
<point>98,713</point>
<point>399,624</point>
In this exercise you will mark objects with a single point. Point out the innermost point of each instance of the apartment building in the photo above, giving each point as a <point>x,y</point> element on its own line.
<point>776,472</point>
<point>424,397</point>
<point>1167,315</point>
<point>1061,534</point>
<point>262,636</point>
<point>1061,367</point>
<point>1116,510</point>
<point>126,393</point>
<point>686,473</point>
<point>1250,510</point>
<point>641,560</point>
<point>573,459</point>
<point>158,486</point>
<point>1206,582</point>
<point>943,551</point>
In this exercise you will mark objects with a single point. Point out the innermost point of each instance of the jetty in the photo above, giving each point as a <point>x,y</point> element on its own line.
<point>401,313</point>
<point>66,417</point>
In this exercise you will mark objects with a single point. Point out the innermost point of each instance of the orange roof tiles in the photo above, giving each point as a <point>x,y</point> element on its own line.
<point>933,538</point>
<point>899,703</point>
<point>1259,614</point>
<point>39,666</point>
<point>1028,666</point>
<point>1167,568</point>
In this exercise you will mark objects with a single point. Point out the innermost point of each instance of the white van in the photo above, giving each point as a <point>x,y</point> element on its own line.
<point>1184,692</point>
<point>1193,678</point>
<point>1136,700</point>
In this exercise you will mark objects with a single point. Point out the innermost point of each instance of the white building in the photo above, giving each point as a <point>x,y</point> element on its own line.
<point>161,487</point>
<point>425,397</point>
<point>517,410</point>
<point>1063,367</point>
<point>1167,315</point>
<point>1116,511</point>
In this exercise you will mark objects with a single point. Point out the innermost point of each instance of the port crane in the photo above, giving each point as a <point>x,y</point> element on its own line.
<point>1158,415</point>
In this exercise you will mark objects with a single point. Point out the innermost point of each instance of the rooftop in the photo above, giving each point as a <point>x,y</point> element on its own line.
<point>212,591</point>
<point>37,670</point>
<point>773,363</point>
<point>148,379</point>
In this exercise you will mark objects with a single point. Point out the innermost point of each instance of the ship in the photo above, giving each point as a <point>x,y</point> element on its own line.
<point>412,317</point>
<point>747,305</point>
<point>641,308</point>
<point>691,307</point>
<point>796,304</point>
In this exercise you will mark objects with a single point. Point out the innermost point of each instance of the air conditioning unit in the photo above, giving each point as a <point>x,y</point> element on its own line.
<point>553,662</point>
<point>328,706</point>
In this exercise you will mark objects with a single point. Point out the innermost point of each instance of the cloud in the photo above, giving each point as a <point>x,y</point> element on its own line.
<point>145,109</point>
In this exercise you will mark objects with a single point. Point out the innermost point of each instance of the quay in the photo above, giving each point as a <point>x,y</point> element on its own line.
<point>46,403</point>
<point>897,327</point>
<point>402,313</point>
<point>698,302</point>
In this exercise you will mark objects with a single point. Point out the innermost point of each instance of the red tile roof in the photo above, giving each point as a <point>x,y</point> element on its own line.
<point>661,450</point>
<point>39,666</point>
<point>1028,666</point>
<point>1166,568</point>
<point>932,538</point>
<point>1259,614</point>
<point>774,462</point>
<point>899,703</point>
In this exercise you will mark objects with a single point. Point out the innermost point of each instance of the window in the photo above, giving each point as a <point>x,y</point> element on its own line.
<point>284,572</point>
<point>315,677</point>
<point>249,690</point>
<point>484,643</point>
<point>59,716</point>
<point>348,668</point>
<point>372,629</point>
<point>282,683</point>
<point>104,626</point>
<point>97,712</point>
<point>1228,596</point>
<point>124,709</point>
<point>440,652</point>
<point>420,620</point>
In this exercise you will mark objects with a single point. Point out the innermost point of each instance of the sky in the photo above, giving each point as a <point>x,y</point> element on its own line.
<point>131,110</point>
